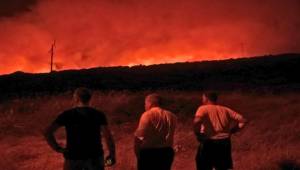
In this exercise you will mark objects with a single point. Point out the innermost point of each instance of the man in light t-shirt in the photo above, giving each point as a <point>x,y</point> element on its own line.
<point>154,136</point>
<point>213,126</point>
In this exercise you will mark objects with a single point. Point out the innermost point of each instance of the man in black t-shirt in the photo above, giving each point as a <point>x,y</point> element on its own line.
<point>84,126</point>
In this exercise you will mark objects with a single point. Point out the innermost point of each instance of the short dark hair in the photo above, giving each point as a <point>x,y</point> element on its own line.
<point>154,98</point>
<point>83,94</point>
<point>212,96</point>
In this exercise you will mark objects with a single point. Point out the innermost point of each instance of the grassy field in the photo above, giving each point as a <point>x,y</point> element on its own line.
<point>270,141</point>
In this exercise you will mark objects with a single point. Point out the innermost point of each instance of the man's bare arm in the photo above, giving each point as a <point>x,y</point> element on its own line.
<point>110,143</point>
<point>49,135</point>
<point>197,126</point>
<point>239,126</point>
<point>241,122</point>
<point>137,146</point>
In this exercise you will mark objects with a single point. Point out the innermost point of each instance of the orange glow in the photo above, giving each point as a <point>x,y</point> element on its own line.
<point>112,33</point>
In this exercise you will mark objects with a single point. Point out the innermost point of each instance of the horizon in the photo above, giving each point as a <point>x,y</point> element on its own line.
<point>149,65</point>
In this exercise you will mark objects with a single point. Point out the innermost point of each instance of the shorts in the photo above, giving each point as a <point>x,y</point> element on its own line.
<point>156,159</point>
<point>88,164</point>
<point>214,154</point>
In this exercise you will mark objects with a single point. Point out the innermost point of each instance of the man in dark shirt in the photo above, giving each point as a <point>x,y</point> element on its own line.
<point>83,125</point>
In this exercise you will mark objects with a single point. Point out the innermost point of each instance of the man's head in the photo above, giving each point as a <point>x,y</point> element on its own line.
<point>82,96</point>
<point>209,97</point>
<point>152,100</point>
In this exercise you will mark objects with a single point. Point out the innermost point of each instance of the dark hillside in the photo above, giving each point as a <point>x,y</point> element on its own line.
<point>266,72</point>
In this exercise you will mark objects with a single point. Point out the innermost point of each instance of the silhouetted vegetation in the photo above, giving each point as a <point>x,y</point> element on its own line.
<point>259,73</point>
<point>269,142</point>
<point>289,165</point>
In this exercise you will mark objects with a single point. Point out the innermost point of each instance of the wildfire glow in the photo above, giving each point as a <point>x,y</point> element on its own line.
<point>114,32</point>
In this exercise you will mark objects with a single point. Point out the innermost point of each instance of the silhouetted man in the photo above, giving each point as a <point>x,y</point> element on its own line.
<point>213,128</point>
<point>83,125</point>
<point>154,136</point>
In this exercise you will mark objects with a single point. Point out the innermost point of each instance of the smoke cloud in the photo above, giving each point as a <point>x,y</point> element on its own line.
<point>92,33</point>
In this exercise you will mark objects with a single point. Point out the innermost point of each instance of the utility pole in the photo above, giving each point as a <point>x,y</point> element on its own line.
<point>52,55</point>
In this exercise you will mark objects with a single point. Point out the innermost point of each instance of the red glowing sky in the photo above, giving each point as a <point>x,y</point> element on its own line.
<point>91,33</point>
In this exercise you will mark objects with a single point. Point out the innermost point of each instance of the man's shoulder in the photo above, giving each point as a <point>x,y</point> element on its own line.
<point>170,113</point>
<point>203,108</point>
<point>206,109</point>
<point>212,106</point>
<point>65,116</point>
<point>76,110</point>
<point>96,113</point>
<point>222,107</point>
<point>151,112</point>
<point>92,109</point>
<point>147,113</point>
<point>157,110</point>
<point>68,111</point>
<point>88,109</point>
<point>166,111</point>
<point>68,114</point>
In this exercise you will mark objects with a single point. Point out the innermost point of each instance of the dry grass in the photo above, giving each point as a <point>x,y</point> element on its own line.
<point>271,140</point>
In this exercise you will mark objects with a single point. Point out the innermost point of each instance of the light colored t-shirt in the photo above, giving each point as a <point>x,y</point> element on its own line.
<point>216,120</point>
<point>156,128</point>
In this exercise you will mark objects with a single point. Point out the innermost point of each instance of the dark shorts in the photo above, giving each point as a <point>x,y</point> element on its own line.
<point>156,159</point>
<point>88,164</point>
<point>214,154</point>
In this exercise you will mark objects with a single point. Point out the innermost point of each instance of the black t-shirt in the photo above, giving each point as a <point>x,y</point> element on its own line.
<point>83,127</point>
